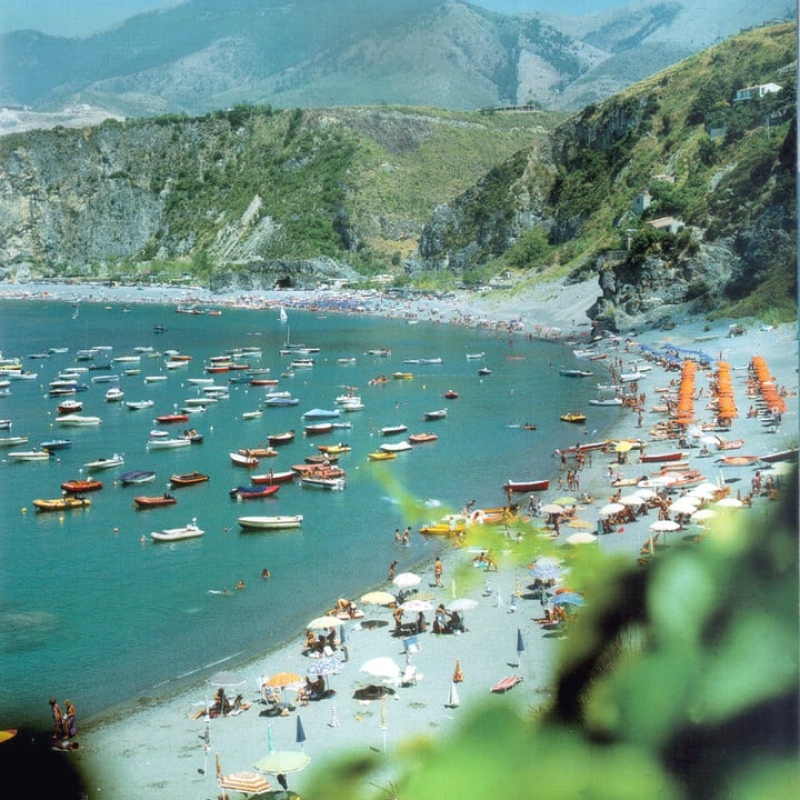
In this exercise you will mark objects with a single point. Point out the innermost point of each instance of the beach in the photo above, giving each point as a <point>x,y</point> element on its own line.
<point>155,747</point>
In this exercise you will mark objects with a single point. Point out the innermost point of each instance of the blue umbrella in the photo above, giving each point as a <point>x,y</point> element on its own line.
<point>568,598</point>
<point>520,646</point>
<point>300,736</point>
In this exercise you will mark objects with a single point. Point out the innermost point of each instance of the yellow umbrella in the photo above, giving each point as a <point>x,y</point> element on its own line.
<point>623,447</point>
<point>283,679</point>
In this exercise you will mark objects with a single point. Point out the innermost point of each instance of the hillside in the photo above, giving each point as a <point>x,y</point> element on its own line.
<point>204,55</point>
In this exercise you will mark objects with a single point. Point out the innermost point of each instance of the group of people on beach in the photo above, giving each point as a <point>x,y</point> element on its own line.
<point>65,727</point>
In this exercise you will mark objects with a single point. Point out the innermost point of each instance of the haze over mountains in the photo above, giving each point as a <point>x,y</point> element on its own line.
<point>203,55</point>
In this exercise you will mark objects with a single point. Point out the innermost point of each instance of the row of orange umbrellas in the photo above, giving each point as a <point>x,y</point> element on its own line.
<point>767,384</point>
<point>684,408</point>
<point>723,392</point>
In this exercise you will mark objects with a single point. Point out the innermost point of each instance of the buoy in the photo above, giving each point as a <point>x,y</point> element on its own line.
<point>24,510</point>
<point>116,530</point>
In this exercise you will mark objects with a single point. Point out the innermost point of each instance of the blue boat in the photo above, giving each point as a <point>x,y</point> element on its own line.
<point>56,444</point>
<point>321,413</point>
<point>137,476</point>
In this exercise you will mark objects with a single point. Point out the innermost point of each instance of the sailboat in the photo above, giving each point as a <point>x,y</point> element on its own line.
<point>283,315</point>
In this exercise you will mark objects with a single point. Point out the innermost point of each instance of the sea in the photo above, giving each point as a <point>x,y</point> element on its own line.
<point>92,609</point>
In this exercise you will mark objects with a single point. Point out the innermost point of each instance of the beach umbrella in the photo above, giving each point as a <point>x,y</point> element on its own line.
<point>327,621</point>
<point>279,762</point>
<point>378,598</point>
<point>703,514</point>
<point>283,680</point>
<point>545,572</point>
<point>462,604</point>
<point>664,525</point>
<point>453,700</point>
<point>646,494</point>
<point>381,667</point>
<point>729,502</point>
<point>565,501</point>
<point>248,783</point>
<point>322,667</point>
<point>631,500</point>
<point>552,508</point>
<point>568,599</point>
<point>581,537</point>
<point>407,580</point>
<point>610,509</point>
<point>684,505</point>
<point>300,735</point>
<point>417,605</point>
<point>520,647</point>
<point>225,678</point>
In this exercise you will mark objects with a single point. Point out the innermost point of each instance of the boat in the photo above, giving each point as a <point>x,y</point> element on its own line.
<point>484,371</point>
<point>540,485</point>
<point>438,414</point>
<point>69,406</point>
<point>274,477</point>
<point>253,492</point>
<point>318,471</point>
<point>114,395</point>
<point>474,356</point>
<point>382,352</point>
<point>575,373</point>
<point>449,525</point>
<point>321,427</point>
<point>263,381</point>
<point>737,461</point>
<point>62,503</point>
<point>271,523</point>
<point>280,402</point>
<point>258,452</point>
<point>322,458</point>
<point>331,484</point>
<point>421,438</point>
<point>252,414</point>
<point>606,401</point>
<point>170,419</point>
<point>403,376</point>
<point>13,441</point>
<point>391,430</point>
<point>301,363</point>
<point>781,455</point>
<point>281,438</point>
<point>139,405</point>
<point>243,461</point>
<point>188,479</point>
<point>436,360</point>
<point>630,377</point>
<point>29,455</point>
<point>381,455</point>
<point>730,444</point>
<point>451,394</point>
<point>322,413</point>
<point>78,420</point>
<point>192,435</point>
<point>106,463</point>
<point>56,444</point>
<point>397,447</point>
<point>168,444</point>
<point>334,449</point>
<point>154,378</point>
<point>352,405</point>
<point>137,476</point>
<point>574,417</point>
<point>651,458</point>
<point>190,531</point>
<point>81,486</point>
<point>145,501</point>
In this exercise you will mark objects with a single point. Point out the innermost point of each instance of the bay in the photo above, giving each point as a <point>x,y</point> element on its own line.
<point>91,609</point>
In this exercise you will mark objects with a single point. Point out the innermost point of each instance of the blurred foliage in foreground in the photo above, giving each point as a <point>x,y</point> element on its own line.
<point>680,681</point>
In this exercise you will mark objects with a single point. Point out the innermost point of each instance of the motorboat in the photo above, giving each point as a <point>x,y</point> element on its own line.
<point>474,356</point>
<point>106,463</point>
<point>188,479</point>
<point>114,395</point>
<point>575,373</point>
<point>381,455</point>
<point>353,404</point>
<point>573,416</point>
<point>606,401</point>
<point>432,415</point>
<point>270,523</point>
<point>62,503</point>
<point>397,447</point>
<point>281,402</point>
<point>391,430</point>
<point>139,405</point>
<point>403,376</point>
<point>190,531</point>
<point>449,525</point>
<point>651,458</point>
<point>13,441</point>
<point>252,414</point>
<point>451,394</point>
<point>29,455</point>
<point>137,476</point>
<point>154,378</point>
<point>253,492</point>
<point>168,444</point>
<point>484,371</point>
<point>322,413</point>
<point>527,486</point>
<point>69,406</point>
<point>81,486</point>
<point>318,428</point>
<point>334,449</point>
<point>421,438</point>
<point>331,484</point>
<point>56,444</point>
<point>243,461</point>
<point>78,420</point>
<point>281,438</point>
<point>170,419</point>
<point>144,501</point>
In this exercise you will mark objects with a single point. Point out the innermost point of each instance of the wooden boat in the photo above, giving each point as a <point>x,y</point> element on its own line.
<point>167,444</point>
<point>391,430</point>
<point>421,438</point>
<point>274,477</point>
<point>137,476</point>
<point>188,478</point>
<point>582,448</point>
<point>77,420</point>
<point>451,394</point>
<point>56,444</point>
<point>329,484</point>
<point>253,492</point>
<point>334,449</point>
<point>730,444</point>
<point>318,471</point>
<point>381,455</point>
<point>651,458</point>
<point>169,419</point>
<point>574,417</point>
<point>106,463</point>
<point>440,413</point>
<point>258,452</point>
<point>281,438</point>
<point>62,503</point>
<point>397,447</point>
<point>81,486</point>
<point>322,458</point>
<point>737,461</point>
<point>322,413</point>
<point>318,428</point>
<point>29,455</point>
<point>190,531</point>
<point>144,502</point>
<point>527,486</point>
<point>270,523</point>
<point>243,461</point>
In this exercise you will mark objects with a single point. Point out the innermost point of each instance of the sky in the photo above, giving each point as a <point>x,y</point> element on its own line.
<point>84,17</point>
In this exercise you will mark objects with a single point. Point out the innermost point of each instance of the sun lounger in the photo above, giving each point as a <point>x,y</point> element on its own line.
<point>507,683</point>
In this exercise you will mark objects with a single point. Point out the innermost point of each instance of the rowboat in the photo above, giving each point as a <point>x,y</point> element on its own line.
<point>167,444</point>
<point>137,476</point>
<point>253,492</point>
<point>29,455</point>
<point>143,501</point>
<point>105,463</point>
<point>391,430</point>
<point>318,471</point>
<point>270,523</point>
<point>281,438</point>
<point>319,458</point>
<point>438,414</point>
<point>421,438</point>
<point>243,461</point>
<point>334,449</point>
<point>320,427</point>
<point>190,531</point>
<point>62,504</point>
<point>574,417</point>
<point>381,455</point>
<point>672,455</point>
<point>781,455</point>
<point>730,444</point>
<point>77,420</point>
<point>331,484</point>
<point>81,486</point>
<point>274,477</point>
<point>188,479</point>
<point>258,452</point>
<point>737,461</point>
<point>527,486</point>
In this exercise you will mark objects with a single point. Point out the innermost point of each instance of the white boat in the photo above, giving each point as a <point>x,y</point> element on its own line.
<point>321,413</point>
<point>168,444</point>
<point>127,359</point>
<point>252,414</point>
<point>200,381</point>
<point>606,401</point>
<point>106,463</point>
<point>114,394</point>
<point>30,455</point>
<point>331,484</point>
<point>190,531</point>
<point>398,447</point>
<point>154,378</point>
<point>243,461</point>
<point>77,420</point>
<point>629,377</point>
<point>139,405</point>
<point>352,405</point>
<point>270,523</point>
<point>472,356</point>
<point>390,430</point>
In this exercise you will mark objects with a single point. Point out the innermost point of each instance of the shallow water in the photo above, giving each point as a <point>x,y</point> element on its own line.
<point>90,611</point>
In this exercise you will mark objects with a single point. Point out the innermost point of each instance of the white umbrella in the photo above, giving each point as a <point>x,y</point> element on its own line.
<point>703,494</point>
<point>703,514</point>
<point>730,502</point>
<point>324,622</point>
<point>684,505</point>
<point>631,500</point>
<point>381,667</point>
<point>610,509</point>
<point>462,604</point>
<point>646,494</point>
<point>664,525</point>
<point>552,508</point>
<point>405,580</point>
<point>417,605</point>
<point>581,537</point>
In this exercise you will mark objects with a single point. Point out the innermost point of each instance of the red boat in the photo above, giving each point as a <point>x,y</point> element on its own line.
<point>450,394</point>
<point>420,438</point>
<point>652,458</point>
<point>274,477</point>
<point>153,502</point>
<point>320,427</point>
<point>263,381</point>
<point>70,407</point>
<point>188,479</point>
<point>526,486</point>
<point>252,492</point>
<point>281,438</point>
<point>167,419</point>
<point>79,487</point>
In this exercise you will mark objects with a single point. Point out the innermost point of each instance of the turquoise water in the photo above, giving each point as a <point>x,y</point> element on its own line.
<point>90,611</point>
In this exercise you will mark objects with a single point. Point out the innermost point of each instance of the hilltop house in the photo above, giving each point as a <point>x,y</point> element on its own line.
<point>668,224</point>
<point>753,92</point>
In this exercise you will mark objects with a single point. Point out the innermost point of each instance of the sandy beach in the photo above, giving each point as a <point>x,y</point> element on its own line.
<point>155,747</point>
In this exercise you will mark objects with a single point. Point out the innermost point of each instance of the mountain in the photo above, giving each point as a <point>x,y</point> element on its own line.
<point>203,55</point>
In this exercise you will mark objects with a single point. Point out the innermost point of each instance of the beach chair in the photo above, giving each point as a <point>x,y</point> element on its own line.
<point>411,644</point>
<point>410,676</point>
<point>502,686</point>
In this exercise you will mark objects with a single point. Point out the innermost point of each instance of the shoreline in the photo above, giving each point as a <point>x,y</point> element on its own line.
<point>148,747</point>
